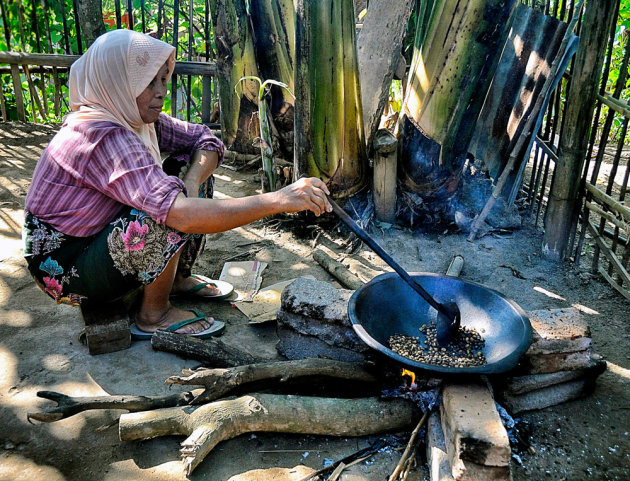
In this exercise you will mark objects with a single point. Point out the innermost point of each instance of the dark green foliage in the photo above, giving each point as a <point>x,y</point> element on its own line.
<point>42,16</point>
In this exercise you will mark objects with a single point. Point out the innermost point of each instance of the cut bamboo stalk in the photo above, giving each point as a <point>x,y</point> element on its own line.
<point>384,176</point>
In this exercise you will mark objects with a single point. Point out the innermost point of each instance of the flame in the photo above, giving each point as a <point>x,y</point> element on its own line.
<point>411,374</point>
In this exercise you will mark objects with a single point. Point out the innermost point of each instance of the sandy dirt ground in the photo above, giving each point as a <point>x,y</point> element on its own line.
<point>39,350</point>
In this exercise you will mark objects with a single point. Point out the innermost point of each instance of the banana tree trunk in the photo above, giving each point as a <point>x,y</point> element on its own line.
<point>456,51</point>
<point>273,26</point>
<point>235,59</point>
<point>329,140</point>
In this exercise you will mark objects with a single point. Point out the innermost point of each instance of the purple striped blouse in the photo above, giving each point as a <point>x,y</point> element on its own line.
<point>89,173</point>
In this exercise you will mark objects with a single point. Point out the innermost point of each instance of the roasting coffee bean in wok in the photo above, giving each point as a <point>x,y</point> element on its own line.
<point>464,349</point>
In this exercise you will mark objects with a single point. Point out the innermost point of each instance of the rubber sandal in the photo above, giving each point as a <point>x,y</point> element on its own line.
<point>225,289</point>
<point>215,328</point>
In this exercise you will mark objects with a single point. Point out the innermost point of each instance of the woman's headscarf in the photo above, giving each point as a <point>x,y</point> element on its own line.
<point>106,80</point>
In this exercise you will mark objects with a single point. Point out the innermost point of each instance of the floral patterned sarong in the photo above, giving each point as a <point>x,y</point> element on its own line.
<point>131,251</point>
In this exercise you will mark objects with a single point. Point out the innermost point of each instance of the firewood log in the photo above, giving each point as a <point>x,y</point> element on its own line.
<point>208,425</point>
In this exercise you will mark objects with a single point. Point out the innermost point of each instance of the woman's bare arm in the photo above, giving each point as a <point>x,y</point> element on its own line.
<point>207,216</point>
<point>202,165</point>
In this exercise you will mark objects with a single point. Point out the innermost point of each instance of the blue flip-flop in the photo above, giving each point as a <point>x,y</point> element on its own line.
<point>225,289</point>
<point>215,328</point>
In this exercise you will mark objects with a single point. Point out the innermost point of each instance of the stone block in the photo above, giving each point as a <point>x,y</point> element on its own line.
<point>294,345</point>
<point>472,427</point>
<point>316,300</point>
<point>437,457</point>
<point>339,335</point>
<point>549,396</point>
<point>106,327</point>
<point>558,331</point>
<point>518,385</point>
<point>555,362</point>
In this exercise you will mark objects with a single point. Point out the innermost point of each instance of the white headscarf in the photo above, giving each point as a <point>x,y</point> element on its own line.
<point>106,80</point>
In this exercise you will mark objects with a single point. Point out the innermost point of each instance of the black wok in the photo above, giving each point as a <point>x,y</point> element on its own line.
<point>387,305</point>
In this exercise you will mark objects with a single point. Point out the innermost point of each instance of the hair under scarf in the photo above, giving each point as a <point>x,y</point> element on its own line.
<point>106,80</point>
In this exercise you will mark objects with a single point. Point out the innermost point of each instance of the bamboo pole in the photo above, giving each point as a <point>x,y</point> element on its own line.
<point>17,91</point>
<point>144,24</point>
<point>57,82</point>
<point>175,44</point>
<point>613,175</point>
<point>130,14</point>
<point>543,186</point>
<point>5,23</point>
<point>612,204</point>
<point>42,85</point>
<point>118,15</point>
<point>43,59</point>
<point>619,87</point>
<point>77,26</point>
<point>618,105</point>
<point>23,44</point>
<point>614,284</point>
<point>595,126</point>
<point>530,195</point>
<point>613,259</point>
<point>608,216</point>
<point>3,104</point>
<point>66,32</point>
<point>190,47</point>
<point>160,29</point>
<point>206,86</point>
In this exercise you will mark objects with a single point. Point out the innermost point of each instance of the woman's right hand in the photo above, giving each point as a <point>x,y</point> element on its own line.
<point>308,193</point>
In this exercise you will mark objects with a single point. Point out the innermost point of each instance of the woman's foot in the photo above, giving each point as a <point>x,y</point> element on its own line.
<point>187,285</point>
<point>152,321</point>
